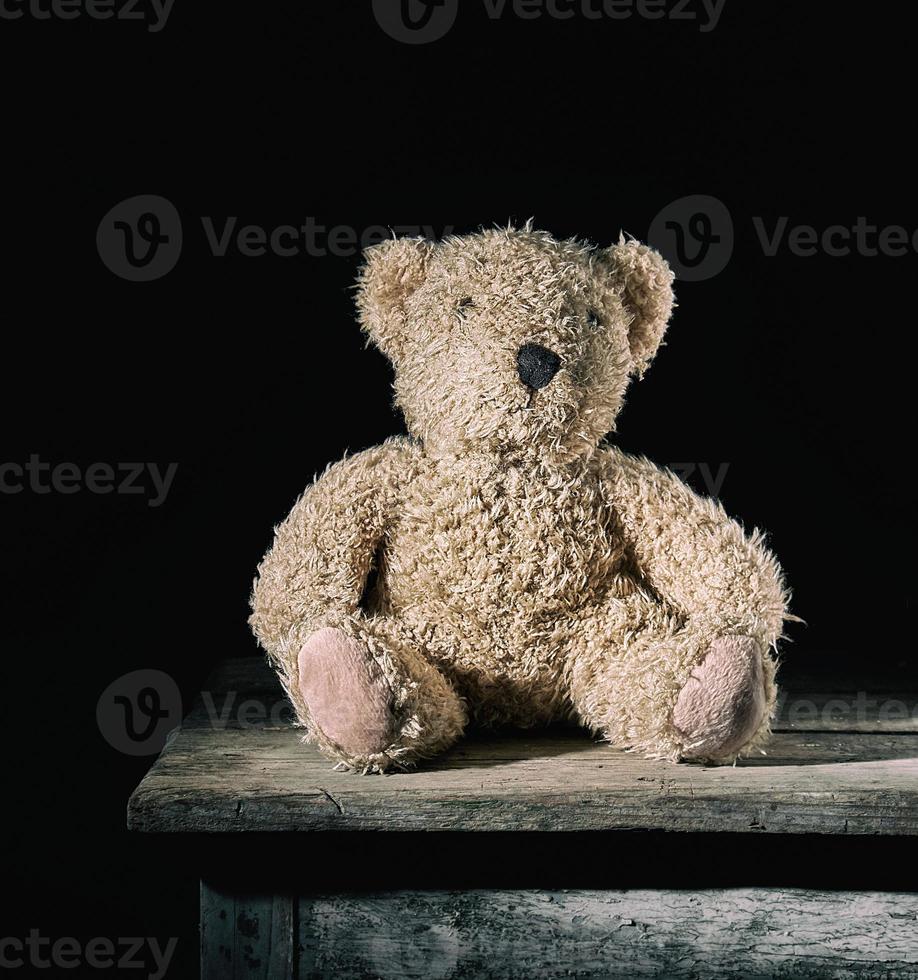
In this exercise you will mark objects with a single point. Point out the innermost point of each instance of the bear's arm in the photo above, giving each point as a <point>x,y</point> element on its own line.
<point>315,573</point>
<point>692,554</point>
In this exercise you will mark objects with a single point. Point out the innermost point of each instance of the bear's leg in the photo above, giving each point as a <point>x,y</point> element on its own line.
<point>669,690</point>
<point>370,699</point>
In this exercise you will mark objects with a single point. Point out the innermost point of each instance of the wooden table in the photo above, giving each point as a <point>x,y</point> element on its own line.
<point>548,854</point>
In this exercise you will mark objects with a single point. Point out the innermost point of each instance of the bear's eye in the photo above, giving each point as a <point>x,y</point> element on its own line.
<point>466,304</point>
<point>593,318</point>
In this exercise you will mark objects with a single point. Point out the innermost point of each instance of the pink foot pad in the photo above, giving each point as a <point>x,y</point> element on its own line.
<point>347,703</point>
<point>723,703</point>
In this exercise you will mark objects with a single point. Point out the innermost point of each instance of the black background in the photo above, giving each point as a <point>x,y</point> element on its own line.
<point>251,374</point>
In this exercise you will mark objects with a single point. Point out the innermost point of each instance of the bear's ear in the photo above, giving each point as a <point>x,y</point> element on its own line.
<point>391,272</point>
<point>644,283</point>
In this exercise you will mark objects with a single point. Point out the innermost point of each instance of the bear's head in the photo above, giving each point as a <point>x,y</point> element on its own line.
<point>509,341</point>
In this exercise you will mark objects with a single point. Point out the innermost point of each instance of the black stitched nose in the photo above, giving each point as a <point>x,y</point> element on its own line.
<point>537,365</point>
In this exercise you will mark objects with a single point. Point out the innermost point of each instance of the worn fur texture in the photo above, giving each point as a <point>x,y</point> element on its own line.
<point>504,564</point>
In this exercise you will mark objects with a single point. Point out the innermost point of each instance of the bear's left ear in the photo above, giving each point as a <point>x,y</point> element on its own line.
<point>644,283</point>
<point>392,271</point>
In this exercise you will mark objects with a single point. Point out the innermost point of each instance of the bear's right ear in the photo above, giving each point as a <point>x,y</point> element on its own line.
<point>644,283</point>
<point>391,272</point>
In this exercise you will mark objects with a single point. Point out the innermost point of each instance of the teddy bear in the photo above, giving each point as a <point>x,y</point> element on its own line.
<point>504,564</point>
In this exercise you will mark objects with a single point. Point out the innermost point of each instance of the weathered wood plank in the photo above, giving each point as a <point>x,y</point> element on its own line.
<point>246,936</point>
<point>237,765</point>
<point>523,935</point>
<point>218,933</point>
<point>257,779</point>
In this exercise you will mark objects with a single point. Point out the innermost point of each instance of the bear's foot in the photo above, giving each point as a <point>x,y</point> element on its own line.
<point>349,700</point>
<point>724,703</point>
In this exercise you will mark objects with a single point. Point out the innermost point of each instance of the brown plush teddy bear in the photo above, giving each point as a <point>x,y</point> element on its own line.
<point>504,565</point>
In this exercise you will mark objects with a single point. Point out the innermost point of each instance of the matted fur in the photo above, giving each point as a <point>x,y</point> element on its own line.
<point>524,570</point>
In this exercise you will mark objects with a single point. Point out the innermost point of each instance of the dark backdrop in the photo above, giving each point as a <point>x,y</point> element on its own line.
<point>250,374</point>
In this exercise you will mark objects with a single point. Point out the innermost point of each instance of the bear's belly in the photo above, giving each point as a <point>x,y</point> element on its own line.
<point>492,570</point>
<point>503,546</point>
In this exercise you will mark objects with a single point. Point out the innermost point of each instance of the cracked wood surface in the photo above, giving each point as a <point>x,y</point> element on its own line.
<point>845,762</point>
<point>522,935</point>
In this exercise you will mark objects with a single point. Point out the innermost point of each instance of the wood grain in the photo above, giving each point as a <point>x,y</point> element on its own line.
<point>523,935</point>
<point>246,780</point>
<point>252,936</point>
<point>238,766</point>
